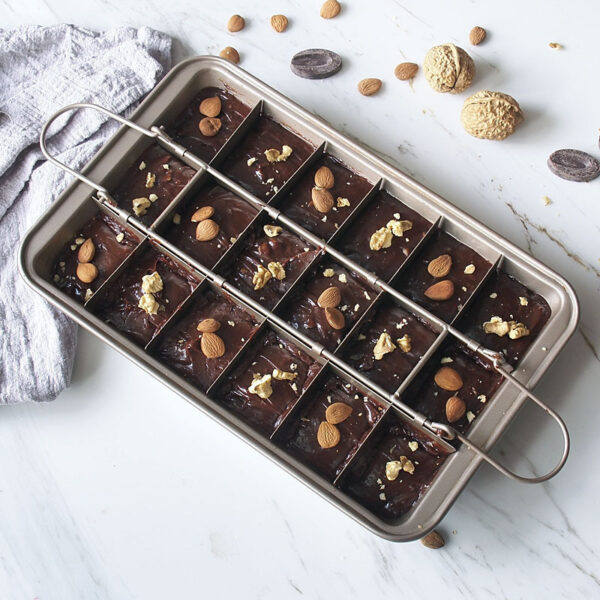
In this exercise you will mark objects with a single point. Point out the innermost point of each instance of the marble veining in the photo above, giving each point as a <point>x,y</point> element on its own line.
<point>119,489</point>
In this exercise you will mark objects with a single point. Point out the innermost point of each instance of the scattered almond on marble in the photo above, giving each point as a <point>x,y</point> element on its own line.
<point>477,35</point>
<point>406,70</point>
<point>369,86</point>
<point>433,540</point>
<point>231,54</point>
<point>330,9</point>
<point>236,23</point>
<point>279,23</point>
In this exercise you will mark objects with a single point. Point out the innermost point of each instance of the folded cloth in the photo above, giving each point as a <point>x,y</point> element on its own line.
<point>41,70</point>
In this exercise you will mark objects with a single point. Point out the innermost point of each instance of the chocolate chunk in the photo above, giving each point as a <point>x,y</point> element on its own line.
<point>316,63</point>
<point>574,165</point>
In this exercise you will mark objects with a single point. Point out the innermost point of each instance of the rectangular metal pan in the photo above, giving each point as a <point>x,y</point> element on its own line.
<point>76,205</point>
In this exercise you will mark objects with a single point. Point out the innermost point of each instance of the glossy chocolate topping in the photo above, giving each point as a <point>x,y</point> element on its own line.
<point>390,370</point>
<point>186,128</point>
<point>479,385</point>
<point>180,345</point>
<point>232,215</point>
<point>109,254</point>
<point>349,186</point>
<point>416,279</point>
<point>505,297</point>
<point>304,313</point>
<point>119,306</point>
<point>261,177</point>
<point>155,172</point>
<point>290,251</point>
<point>367,480</point>
<point>269,352</point>
<point>354,242</point>
<point>301,438</point>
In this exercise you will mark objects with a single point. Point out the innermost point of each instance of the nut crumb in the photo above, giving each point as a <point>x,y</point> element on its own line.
<point>283,375</point>
<point>446,360</point>
<point>393,468</point>
<point>251,161</point>
<point>500,327</point>
<point>493,295</point>
<point>150,179</point>
<point>153,197</point>
<point>342,202</point>
<point>470,269</point>
<point>470,416</point>
<point>177,219</point>
<point>79,241</point>
<point>140,206</point>
<point>398,228</point>
<point>120,237</point>
<point>413,446</point>
<point>328,273</point>
<point>482,398</point>
<point>404,343</point>
<point>362,337</point>
<point>273,155</point>
<point>142,166</point>
<point>88,294</point>
<point>523,301</point>
<point>272,230</point>
<point>546,200</point>
<point>342,278</point>
<point>555,45</point>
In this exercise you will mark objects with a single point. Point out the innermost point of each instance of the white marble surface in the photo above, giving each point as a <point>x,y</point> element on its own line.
<point>120,489</point>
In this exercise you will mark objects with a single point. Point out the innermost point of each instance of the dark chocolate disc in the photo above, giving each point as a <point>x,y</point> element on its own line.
<point>316,63</point>
<point>574,165</point>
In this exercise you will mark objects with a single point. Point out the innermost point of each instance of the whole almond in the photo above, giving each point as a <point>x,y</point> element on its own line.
<point>448,379</point>
<point>455,409</point>
<point>231,54</point>
<point>208,326</point>
<point>203,213</point>
<point>322,199</point>
<point>433,540</point>
<point>87,272</point>
<point>86,251</point>
<point>440,266</point>
<point>369,86</point>
<point>206,230</point>
<point>212,345</point>
<point>405,71</point>
<point>335,318</point>
<point>324,178</point>
<point>330,297</point>
<point>211,107</point>
<point>279,23</point>
<point>337,412</point>
<point>328,435</point>
<point>235,23</point>
<point>477,35</point>
<point>210,126</point>
<point>330,9</point>
<point>440,291</point>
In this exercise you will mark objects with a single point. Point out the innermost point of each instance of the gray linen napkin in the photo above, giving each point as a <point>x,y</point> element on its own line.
<point>42,69</point>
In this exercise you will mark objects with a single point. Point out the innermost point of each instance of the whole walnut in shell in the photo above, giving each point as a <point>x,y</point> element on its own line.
<point>490,115</point>
<point>448,68</point>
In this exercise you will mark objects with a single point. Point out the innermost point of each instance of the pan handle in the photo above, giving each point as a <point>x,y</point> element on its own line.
<point>506,472</point>
<point>102,191</point>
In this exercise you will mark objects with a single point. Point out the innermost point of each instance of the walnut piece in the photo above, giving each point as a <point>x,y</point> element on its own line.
<point>382,238</point>
<point>404,343</point>
<point>140,206</point>
<point>283,375</point>
<point>448,68</point>
<point>272,230</point>
<point>383,346</point>
<point>261,277</point>
<point>276,269</point>
<point>273,155</point>
<point>261,386</point>
<point>399,227</point>
<point>491,115</point>
<point>148,304</point>
<point>150,179</point>
<point>152,283</point>
<point>393,468</point>
<point>501,328</point>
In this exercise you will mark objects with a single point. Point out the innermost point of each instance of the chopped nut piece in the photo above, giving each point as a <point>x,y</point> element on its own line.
<point>140,206</point>
<point>482,398</point>
<point>273,155</point>
<point>382,497</point>
<point>383,346</point>
<point>342,202</point>
<point>261,386</point>
<point>404,343</point>
<point>517,330</point>
<point>393,468</point>
<point>328,273</point>
<point>399,227</point>
<point>500,328</point>
<point>445,360</point>
<point>177,218</point>
<point>470,416</point>
<point>470,269</point>
<point>153,197</point>
<point>272,230</point>
<point>276,269</point>
<point>413,446</point>
<point>493,295</point>
<point>382,238</point>
<point>555,45</point>
<point>342,278</point>
<point>88,294</point>
<point>79,241</point>
<point>523,301</point>
<point>261,277</point>
<point>142,166</point>
<point>148,304</point>
<point>150,179</point>
<point>251,161</point>
<point>152,283</point>
<point>73,247</point>
<point>56,278</point>
<point>283,375</point>
<point>546,200</point>
<point>120,237</point>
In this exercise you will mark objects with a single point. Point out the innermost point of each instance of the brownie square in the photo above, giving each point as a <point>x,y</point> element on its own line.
<point>377,213</point>
<point>231,213</point>
<point>248,165</point>
<point>180,347</point>
<point>348,190</point>
<point>186,130</point>
<point>466,272</point>
<point>112,244</point>
<point>260,360</point>
<point>301,438</point>
<point>120,304</point>
<point>392,368</point>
